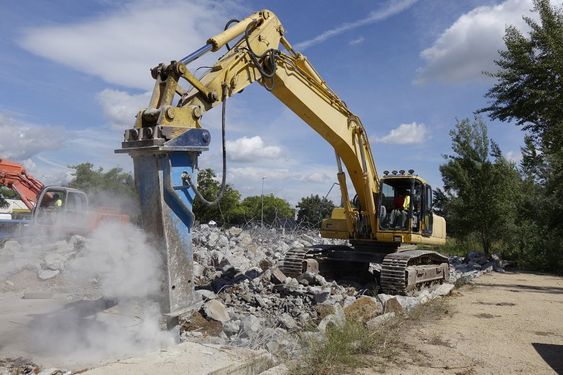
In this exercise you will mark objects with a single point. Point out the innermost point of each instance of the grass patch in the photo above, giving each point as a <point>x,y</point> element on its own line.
<point>353,345</point>
<point>343,347</point>
<point>432,311</point>
<point>438,341</point>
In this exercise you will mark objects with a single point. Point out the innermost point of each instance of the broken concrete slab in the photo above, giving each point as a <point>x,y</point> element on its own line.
<point>216,310</point>
<point>363,309</point>
<point>287,322</point>
<point>281,369</point>
<point>379,320</point>
<point>408,303</point>
<point>393,306</point>
<point>205,294</point>
<point>47,274</point>
<point>443,290</point>
<point>277,276</point>
<point>195,358</point>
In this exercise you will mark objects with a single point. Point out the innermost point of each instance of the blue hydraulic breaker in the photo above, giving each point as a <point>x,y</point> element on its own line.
<point>163,166</point>
<point>165,160</point>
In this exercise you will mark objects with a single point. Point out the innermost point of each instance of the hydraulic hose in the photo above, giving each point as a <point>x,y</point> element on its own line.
<point>268,69</point>
<point>234,20</point>
<point>224,177</point>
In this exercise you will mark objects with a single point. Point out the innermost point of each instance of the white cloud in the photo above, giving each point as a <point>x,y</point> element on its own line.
<point>470,45</point>
<point>288,183</point>
<point>47,151</point>
<point>356,41</point>
<point>120,107</point>
<point>20,140</point>
<point>257,173</point>
<point>318,177</point>
<point>251,149</point>
<point>513,156</point>
<point>412,133</point>
<point>121,47</point>
<point>391,8</point>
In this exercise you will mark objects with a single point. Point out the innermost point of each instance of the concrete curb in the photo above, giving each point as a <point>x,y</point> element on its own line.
<point>192,359</point>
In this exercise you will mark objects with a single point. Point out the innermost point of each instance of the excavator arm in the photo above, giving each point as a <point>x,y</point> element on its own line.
<point>256,57</point>
<point>15,177</point>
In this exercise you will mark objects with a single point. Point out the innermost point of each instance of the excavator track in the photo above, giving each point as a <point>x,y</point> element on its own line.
<point>292,265</point>
<point>405,272</point>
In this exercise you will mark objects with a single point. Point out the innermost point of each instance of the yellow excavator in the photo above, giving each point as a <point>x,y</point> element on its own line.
<point>389,219</point>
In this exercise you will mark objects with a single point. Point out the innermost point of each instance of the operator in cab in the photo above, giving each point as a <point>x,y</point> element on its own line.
<point>401,204</point>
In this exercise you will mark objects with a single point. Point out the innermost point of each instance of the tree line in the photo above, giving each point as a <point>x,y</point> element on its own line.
<point>269,209</point>
<point>490,201</point>
<point>230,210</point>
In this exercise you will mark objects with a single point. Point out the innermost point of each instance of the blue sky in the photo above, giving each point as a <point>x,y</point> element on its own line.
<point>74,74</point>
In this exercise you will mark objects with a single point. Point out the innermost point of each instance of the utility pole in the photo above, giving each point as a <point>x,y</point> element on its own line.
<point>262,203</point>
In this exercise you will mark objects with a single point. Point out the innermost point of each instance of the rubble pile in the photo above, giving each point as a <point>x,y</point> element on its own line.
<point>44,258</point>
<point>242,296</point>
<point>246,299</point>
<point>241,286</point>
<point>9,366</point>
<point>465,269</point>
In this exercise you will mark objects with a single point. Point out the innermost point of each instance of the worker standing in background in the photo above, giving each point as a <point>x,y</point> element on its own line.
<point>58,201</point>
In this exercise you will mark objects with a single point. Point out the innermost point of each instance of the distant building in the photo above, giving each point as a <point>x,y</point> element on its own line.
<point>15,209</point>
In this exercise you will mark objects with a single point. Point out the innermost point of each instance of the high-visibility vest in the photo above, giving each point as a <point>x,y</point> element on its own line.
<point>58,203</point>
<point>407,202</point>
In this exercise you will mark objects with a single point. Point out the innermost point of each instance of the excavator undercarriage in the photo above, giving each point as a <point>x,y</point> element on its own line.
<point>404,272</point>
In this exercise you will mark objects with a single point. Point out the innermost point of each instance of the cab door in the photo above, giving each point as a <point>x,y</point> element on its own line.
<point>427,215</point>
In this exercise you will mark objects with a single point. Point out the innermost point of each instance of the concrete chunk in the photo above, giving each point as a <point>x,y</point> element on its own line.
<point>379,320</point>
<point>47,274</point>
<point>216,311</point>
<point>443,290</point>
<point>278,277</point>
<point>363,309</point>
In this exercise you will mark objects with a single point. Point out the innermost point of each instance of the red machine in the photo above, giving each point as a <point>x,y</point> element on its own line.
<point>15,177</point>
<point>52,205</point>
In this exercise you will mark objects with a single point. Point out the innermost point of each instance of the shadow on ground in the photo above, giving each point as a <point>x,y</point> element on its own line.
<point>552,355</point>
<point>529,288</point>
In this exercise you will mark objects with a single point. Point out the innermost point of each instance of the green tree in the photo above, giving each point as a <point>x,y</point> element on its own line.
<point>275,209</point>
<point>529,87</point>
<point>112,188</point>
<point>6,193</point>
<point>91,180</point>
<point>227,208</point>
<point>480,186</point>
<point>529,92</point>
<point>313,209</point>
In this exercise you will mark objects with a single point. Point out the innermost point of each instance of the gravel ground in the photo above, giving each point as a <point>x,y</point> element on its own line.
<point>504,323</point>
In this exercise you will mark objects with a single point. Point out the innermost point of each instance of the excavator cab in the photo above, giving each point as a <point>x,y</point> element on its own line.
<point>405,203</point>
<point>405,210</point>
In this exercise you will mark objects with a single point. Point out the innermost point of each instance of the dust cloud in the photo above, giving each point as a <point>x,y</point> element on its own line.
<point>108,285</point>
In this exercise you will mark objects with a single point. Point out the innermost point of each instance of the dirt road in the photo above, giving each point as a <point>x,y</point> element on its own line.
<point>503,324</point>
